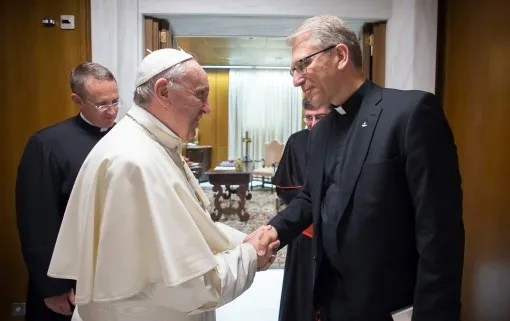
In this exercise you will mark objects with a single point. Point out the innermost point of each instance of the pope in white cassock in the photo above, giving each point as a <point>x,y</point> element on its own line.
<point>135,235</point>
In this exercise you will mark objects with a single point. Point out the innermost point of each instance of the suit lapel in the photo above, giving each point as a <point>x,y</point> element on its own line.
<point>357,149</point>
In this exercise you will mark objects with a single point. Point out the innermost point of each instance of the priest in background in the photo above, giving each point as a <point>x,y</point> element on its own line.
<point>136,235</point>
<point>296,302</point>
<point>46,174</point>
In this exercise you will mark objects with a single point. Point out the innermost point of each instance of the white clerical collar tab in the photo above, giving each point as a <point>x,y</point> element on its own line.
<point>88,122</point>
<point>340,110</point>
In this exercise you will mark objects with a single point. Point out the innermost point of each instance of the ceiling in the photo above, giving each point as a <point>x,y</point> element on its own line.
<point>238,40</point>
<point>266,26</point>
<point>237,51</point>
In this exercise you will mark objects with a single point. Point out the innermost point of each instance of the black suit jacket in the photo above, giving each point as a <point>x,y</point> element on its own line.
<point>400,229</point>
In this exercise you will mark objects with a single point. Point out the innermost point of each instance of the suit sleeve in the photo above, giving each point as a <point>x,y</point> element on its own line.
<point>435,185</point>
<point>233,275</point>
<point>38,215</point>
<point>293,220</point>
<point>287,194</point>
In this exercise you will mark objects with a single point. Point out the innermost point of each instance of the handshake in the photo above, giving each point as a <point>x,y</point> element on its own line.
<point>265,241</point>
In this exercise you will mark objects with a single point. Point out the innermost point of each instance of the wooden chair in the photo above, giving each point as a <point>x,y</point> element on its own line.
<point>273,151</point>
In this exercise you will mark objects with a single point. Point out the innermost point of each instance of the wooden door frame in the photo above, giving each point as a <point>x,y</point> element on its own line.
<point>152,25</point>
<point>373,48</point>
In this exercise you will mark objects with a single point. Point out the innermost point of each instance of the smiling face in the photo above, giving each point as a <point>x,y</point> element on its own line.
<point>99,101</point>
<point>325,73</point>
<point>192,98</point>
<point>317,76</point>
<point>186,101</point>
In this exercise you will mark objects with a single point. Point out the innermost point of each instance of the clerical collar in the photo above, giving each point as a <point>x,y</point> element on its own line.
<point>354,102</point>
<point>87,126</point>
<point>88,122</point>
<point>340,110</point>
<point>165,136</point>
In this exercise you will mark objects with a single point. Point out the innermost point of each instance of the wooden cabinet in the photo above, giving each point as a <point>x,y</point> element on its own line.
<point>200,154</point>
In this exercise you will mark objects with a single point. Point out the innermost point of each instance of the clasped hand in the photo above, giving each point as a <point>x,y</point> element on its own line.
<point>265,241</point>
<point>61,304</point>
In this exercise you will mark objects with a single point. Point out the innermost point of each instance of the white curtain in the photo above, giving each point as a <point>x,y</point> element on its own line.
<point>264,103</point>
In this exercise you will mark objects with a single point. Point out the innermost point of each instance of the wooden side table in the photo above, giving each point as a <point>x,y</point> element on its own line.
<point>200,154</point>
<point>223,185</point>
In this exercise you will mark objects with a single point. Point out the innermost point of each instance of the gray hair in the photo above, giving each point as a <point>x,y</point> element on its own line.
<point>88,69</point>
<point>327,30</point>
<point>144,93</point>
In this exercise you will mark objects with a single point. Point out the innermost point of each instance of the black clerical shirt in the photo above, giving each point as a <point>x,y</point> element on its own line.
<point>48,168</point>
<point>341,134</point>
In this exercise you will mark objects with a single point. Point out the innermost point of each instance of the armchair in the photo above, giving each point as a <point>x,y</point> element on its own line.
<point>273,151</point>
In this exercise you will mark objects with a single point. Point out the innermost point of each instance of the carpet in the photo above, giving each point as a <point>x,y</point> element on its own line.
<point>261,209</point>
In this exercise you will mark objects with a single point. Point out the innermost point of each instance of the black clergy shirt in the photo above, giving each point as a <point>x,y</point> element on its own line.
<point>335,159</point>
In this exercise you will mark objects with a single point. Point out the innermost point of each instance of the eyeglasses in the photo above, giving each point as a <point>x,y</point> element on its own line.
<point>105,107</point>
<point>310,118</point>
<point>301,64</point>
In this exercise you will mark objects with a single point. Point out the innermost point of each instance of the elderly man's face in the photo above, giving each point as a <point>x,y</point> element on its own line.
<point>317,79</point>
<point>100,101</point>
<point>191,98</point>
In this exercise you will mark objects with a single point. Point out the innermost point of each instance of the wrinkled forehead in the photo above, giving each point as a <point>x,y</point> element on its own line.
<point>195,76</point>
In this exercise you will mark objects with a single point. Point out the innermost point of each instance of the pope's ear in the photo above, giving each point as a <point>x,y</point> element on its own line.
<point>161,88</point>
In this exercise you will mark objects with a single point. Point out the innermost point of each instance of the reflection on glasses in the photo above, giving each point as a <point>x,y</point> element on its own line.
<point>301,64</point>
<point>310,118</point>
<point>105,107</point>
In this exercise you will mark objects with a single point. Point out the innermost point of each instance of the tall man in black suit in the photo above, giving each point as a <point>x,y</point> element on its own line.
<point>383,189</point>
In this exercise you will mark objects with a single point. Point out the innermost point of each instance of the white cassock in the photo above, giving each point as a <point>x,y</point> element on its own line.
<point>137,240</point>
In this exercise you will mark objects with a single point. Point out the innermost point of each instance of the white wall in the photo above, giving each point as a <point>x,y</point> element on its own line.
<point>116,33</point>
<point>411,42</point>
<point>411,45</point>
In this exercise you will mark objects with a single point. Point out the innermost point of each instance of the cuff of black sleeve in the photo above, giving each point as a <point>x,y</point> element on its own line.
<point>50,287</point>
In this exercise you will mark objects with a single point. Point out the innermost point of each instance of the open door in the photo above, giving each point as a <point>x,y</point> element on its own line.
<point>157,34</point>
<point>373,46</point>
<point>36,60</point>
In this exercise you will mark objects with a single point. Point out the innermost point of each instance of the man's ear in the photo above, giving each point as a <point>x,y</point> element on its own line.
<point>161,88</point>
<point>76,99</point>
<point>342,53</point>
